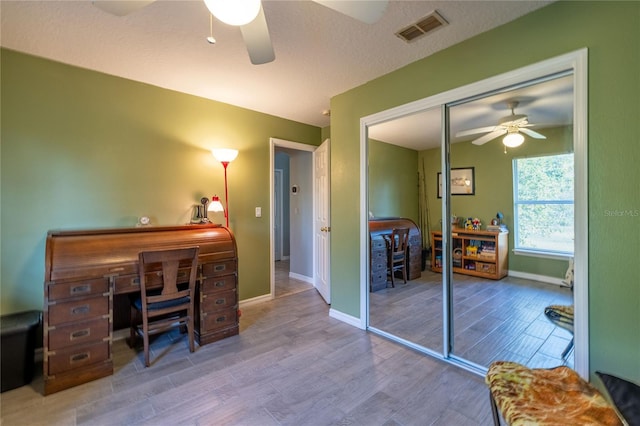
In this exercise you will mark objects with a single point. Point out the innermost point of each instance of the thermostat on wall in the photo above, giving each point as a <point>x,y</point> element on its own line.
<point>295,189</point>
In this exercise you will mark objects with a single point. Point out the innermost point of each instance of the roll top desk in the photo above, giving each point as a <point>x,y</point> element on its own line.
<point>86,269</point>
<point>378,250</point>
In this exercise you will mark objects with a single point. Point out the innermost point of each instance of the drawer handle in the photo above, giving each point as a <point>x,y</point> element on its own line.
<point>86,288</point>
<point>80,310</point>
<point>80,333</point>
<point>219,284</point>
<point>221,319</point>
<point>135,281</point>
<point>221,301</point>
<point>219,268</point>
<point>79,357</point>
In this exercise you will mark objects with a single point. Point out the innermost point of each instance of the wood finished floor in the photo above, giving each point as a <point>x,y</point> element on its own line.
<point>493,320</point>
<point>291,364</point>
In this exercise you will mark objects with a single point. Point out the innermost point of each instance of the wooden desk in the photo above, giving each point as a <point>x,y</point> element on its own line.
<point>85,271</point>
<point>378,250</point>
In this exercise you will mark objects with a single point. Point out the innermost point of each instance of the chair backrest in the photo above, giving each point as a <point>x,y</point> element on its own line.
<point>173,266</point>
<point>399,240</point>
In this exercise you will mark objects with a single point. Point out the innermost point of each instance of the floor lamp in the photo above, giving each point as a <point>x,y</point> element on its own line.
<point>225,156</point>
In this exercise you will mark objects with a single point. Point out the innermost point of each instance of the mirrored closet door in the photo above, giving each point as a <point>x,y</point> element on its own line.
<point>402,195</point>
<point>495,220</point>
<point>511,224</point>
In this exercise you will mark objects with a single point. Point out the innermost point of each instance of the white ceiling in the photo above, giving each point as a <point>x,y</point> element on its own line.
<point>546,104</point>
<point>319,52</point>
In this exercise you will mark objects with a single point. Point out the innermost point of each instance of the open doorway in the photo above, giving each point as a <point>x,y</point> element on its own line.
<point>291,212</point>
<point>298,249</point>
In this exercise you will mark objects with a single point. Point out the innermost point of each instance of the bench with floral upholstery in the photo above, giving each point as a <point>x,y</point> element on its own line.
<point>555,396</point>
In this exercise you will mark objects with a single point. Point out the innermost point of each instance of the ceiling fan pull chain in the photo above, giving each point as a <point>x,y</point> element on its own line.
<point>210,39</point>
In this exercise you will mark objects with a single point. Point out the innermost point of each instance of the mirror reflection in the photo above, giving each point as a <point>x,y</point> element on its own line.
<point>511,161</point>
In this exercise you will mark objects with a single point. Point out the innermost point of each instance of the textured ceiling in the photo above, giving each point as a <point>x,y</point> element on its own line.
<point>546,104</point>
<point>319,52</point>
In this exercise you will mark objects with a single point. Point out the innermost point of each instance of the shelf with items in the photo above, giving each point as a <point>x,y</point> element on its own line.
<point>478,253</point>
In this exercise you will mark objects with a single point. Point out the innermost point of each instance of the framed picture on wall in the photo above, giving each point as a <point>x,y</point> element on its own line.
<point>463,181</point>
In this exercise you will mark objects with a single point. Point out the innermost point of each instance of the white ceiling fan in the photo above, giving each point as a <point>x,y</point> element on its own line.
<point>249,16</point>
<point>512,125</point>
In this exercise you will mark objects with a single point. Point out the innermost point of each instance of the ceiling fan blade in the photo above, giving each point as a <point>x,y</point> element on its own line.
<point>532,133</point>
<point>489,136</point>
<point>476,131</point>
<point>121,7</point>
<point>256,38</point>
<point>367,11</point>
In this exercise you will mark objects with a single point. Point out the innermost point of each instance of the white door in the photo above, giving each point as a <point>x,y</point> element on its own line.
<point>277,215</point>
<point>321,225</point>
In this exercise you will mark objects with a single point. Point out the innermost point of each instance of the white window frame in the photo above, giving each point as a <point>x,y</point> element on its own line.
<point>528,251</point>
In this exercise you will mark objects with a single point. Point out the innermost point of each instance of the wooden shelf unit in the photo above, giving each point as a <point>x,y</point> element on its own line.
<point>477,253</point>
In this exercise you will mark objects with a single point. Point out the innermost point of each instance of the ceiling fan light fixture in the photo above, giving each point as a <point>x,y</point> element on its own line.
<point>234,12</point>
<point>513,139</point>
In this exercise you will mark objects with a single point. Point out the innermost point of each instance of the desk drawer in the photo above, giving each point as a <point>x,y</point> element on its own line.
<point>378,244</point>
<point>67,290</point>
<point>131,283</point>
<point>378,266</point>
<point>76,357</point>
<point>218,320</point>
<point>78,310</point>
<point>78,333</point>
<point>218,284</point>
<point>218,301</point>
<point>219,268</point>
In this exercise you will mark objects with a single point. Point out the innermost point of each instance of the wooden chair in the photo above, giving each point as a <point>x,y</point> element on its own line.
<point>167,290</point>
<point>397,244</point>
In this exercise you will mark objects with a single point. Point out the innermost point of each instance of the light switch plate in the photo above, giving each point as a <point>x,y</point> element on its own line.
<point>258,211</point>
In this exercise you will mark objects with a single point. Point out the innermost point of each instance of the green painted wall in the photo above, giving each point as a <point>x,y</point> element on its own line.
<point>81,149</point>
<point>611,32</point>
<point>393,181</point>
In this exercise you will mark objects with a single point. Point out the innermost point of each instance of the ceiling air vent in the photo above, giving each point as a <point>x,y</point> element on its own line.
<point>429,23</point>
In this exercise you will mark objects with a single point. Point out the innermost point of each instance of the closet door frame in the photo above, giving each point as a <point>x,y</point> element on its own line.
<point>577,63</point>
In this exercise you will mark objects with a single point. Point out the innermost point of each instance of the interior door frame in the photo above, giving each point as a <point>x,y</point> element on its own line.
<point>577,62</point>
<point>280,143</point>
<point>278,222</point>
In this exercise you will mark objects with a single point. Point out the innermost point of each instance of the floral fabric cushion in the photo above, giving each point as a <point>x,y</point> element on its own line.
<point>560,315</point>
<point>550,397</point>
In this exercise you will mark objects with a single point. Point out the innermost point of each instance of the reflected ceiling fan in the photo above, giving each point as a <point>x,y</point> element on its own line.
<point>249,16</point>
<point>512,125</point>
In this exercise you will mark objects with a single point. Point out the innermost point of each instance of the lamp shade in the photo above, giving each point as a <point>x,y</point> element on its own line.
<point>215,205</point>
<point>513,140</point>
<point>234,12</point>
<point>225,155</point>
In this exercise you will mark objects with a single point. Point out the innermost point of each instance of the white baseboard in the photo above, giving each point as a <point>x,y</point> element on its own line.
<point>257,299</point>
<point>351,320</point>
<point>299,277</point>
<point>535,277</point>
